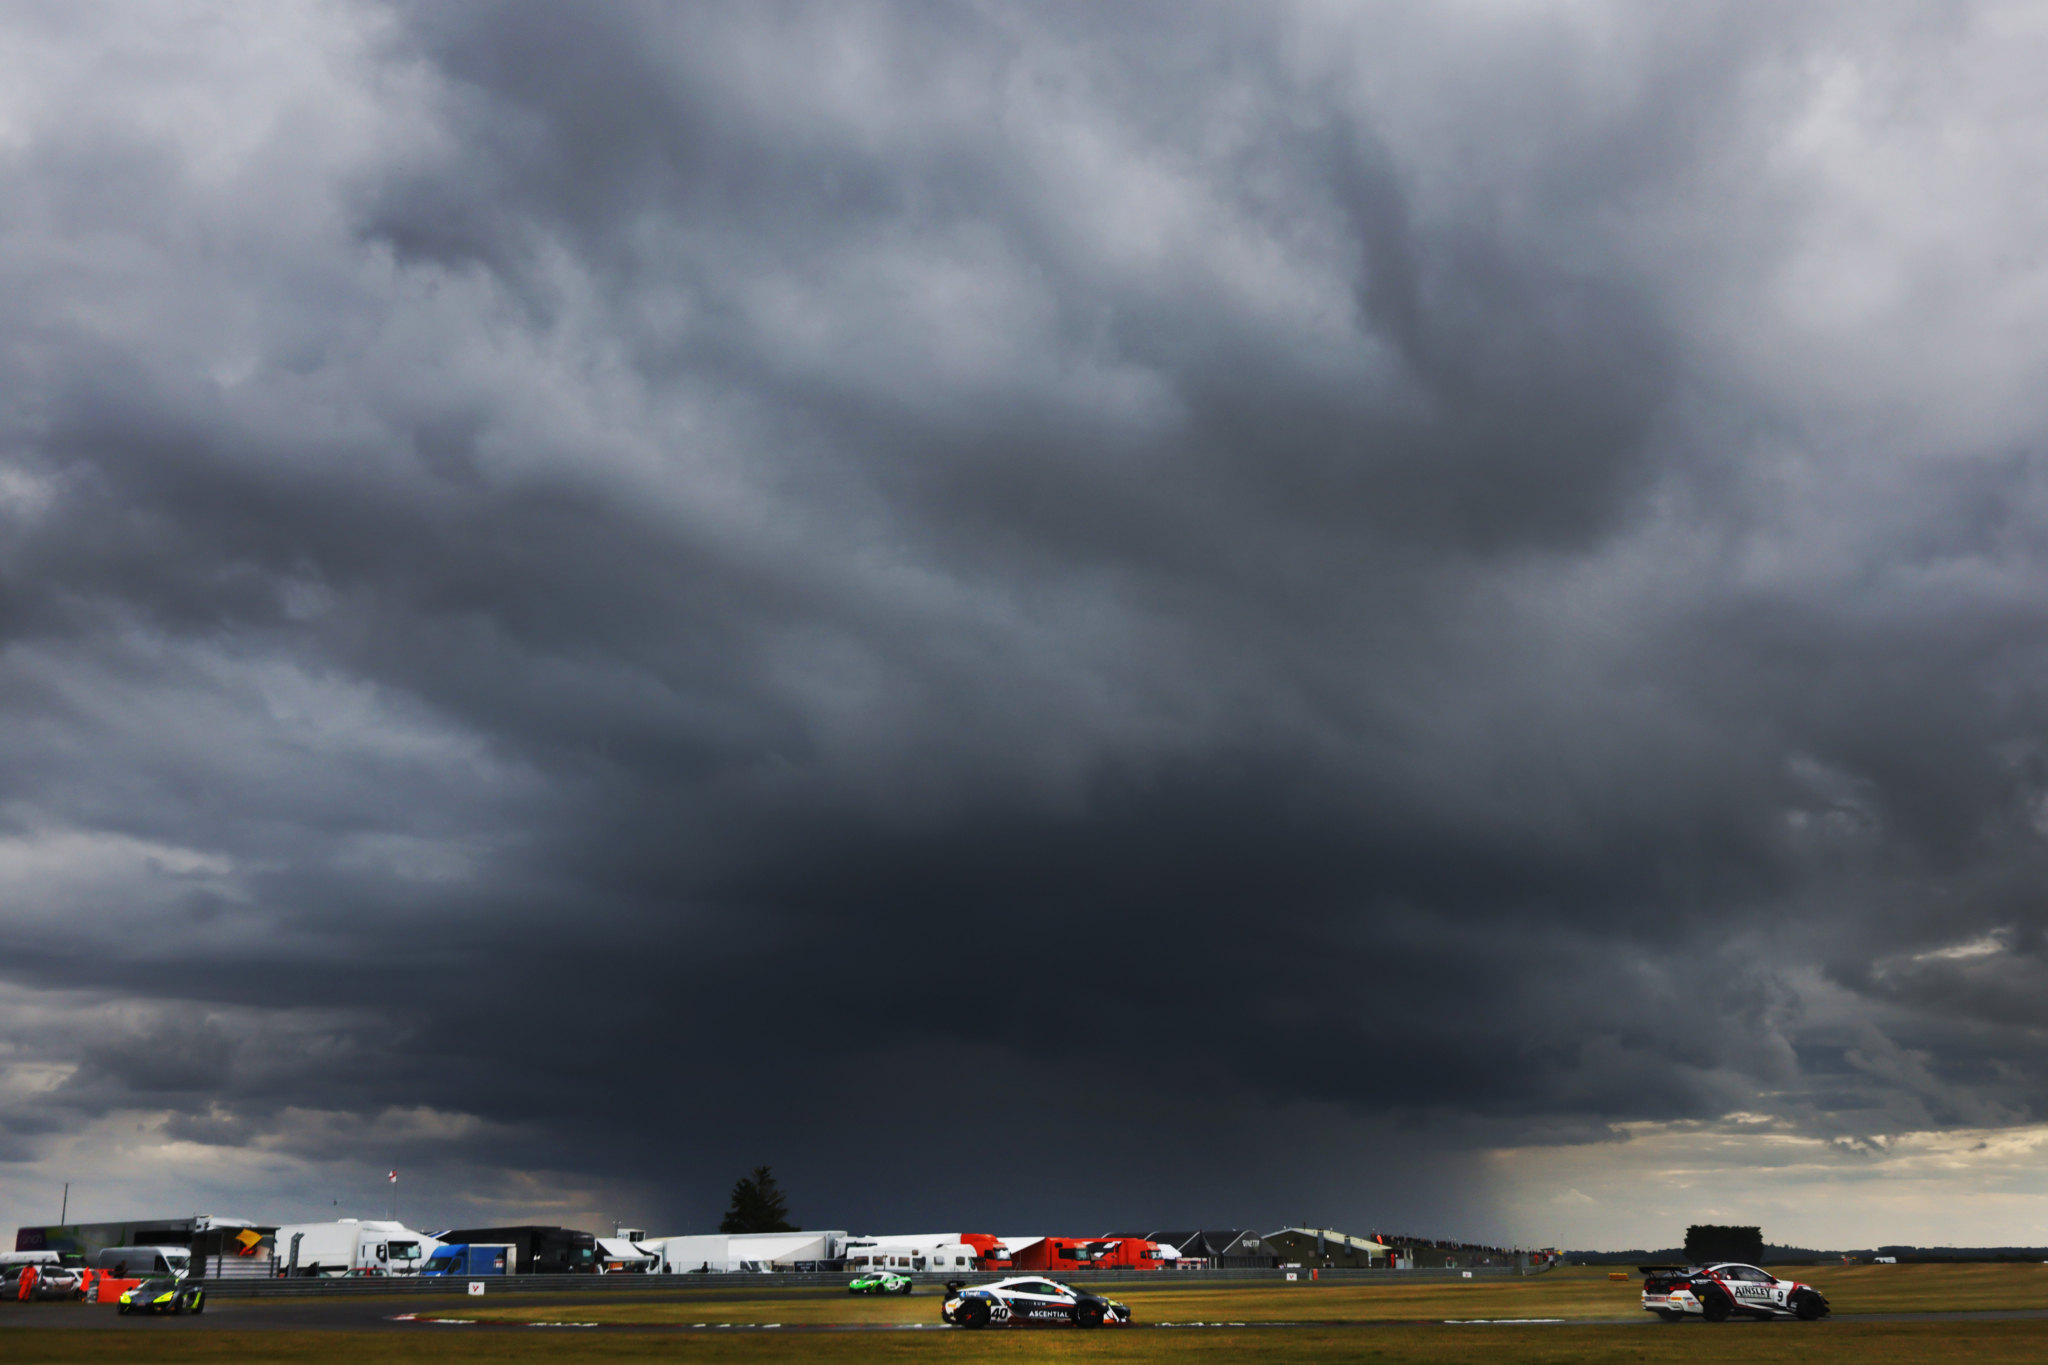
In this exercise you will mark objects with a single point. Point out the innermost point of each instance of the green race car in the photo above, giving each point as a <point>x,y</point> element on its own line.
<point>163,1295</point>
<point>879,1282</point>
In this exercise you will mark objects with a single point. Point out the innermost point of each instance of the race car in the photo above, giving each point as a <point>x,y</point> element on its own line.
<point>1029,1302</point>
<point>1720,1291</point>
<point>879,1282</point>
<point>163,1294</point>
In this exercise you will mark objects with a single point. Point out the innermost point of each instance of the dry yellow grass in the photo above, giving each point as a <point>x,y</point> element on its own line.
<point>1928,1288</point>
<point>1978,1343</point>
<point>1580,1294</point>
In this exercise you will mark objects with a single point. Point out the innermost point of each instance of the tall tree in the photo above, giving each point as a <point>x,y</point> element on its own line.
<point>757,1205</point>
<point>1713,1242</point>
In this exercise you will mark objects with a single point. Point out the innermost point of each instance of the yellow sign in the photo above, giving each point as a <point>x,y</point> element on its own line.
<point>249,1238</point>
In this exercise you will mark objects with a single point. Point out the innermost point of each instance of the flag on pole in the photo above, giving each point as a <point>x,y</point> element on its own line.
<point>394,1177</point>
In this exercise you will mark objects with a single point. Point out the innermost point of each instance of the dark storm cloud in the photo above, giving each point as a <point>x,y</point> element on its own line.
<point>608,566</point>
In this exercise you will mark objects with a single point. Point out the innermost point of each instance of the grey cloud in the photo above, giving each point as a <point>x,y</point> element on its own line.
<point>1008,538</point>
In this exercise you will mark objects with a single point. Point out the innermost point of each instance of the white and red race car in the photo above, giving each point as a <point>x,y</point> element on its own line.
<point>1028,1301</point>
<point>1724,1290</point>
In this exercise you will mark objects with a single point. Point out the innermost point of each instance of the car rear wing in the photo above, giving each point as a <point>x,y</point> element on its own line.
<point>1664,1269</point>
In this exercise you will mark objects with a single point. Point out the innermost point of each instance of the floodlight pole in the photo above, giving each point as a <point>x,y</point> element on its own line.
<point>65,1212</point>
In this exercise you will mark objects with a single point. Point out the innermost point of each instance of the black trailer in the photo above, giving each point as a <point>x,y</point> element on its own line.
<point>540,1250</point>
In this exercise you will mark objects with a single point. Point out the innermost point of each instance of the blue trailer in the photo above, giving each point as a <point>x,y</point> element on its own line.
<point>472,1258</point>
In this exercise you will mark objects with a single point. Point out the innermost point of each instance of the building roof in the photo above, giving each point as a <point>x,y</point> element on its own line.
<point>1344,1239</point>
<point>1197,1243</point>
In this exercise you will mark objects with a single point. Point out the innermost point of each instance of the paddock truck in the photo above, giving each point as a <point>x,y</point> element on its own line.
<point>1028,1302</point>
<point>1724,1290</point>
<point>351,1246</point>
<point>472,1258</point>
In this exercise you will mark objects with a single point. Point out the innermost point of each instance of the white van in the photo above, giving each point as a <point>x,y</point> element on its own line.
<point>136,1263</point>
<point>352,1246</point>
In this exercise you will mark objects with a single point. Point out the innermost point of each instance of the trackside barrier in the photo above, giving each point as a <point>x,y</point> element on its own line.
<point>409,1286</point>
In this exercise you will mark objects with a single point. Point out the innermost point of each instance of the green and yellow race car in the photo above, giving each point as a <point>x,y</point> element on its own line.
<point>163,1294</point>
<point>879,1282</point>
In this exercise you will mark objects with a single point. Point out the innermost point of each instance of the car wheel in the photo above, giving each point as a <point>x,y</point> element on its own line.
<point>1671,1314</point>
<point>973,1314</point>
<point>907,1287</point>
<point>121,1309</point>
<point>1088,1315</point>
<point>1717,1306</point>
<point>199,1302</point>
<point>1810,1306</point>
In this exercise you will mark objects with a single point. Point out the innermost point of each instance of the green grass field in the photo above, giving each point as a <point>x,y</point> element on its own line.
<point>1980,1343</point>
<point>1572,1293</point>
<point>1414,1310</point>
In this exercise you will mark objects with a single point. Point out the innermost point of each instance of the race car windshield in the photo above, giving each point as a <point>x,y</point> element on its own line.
<point>156,1286</point>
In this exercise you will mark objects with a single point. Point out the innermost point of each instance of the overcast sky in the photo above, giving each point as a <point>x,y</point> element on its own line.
<point>1050,617</point>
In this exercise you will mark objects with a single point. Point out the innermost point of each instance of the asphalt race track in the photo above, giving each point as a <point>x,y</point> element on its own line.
<point>360,1315</point>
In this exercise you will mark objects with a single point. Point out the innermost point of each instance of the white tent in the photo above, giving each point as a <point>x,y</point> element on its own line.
<point>686,1255</point>
<point>773,1250</point>
<point>737,1251</point>
<point>626,1254</point>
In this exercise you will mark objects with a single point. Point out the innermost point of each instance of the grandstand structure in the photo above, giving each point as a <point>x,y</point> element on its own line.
<point>1434,1252</point>
<point>1221,1249</point>
<point>1323,1248</point>
<point>1328,1248</point>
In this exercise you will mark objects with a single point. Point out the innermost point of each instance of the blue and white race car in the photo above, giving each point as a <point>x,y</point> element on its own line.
<point>1725,1290</point>
<point>1029,1301</point>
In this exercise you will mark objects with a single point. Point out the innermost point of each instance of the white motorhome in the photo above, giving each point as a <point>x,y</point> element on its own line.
<point>909,1254</point>
<point>352,1246</point>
